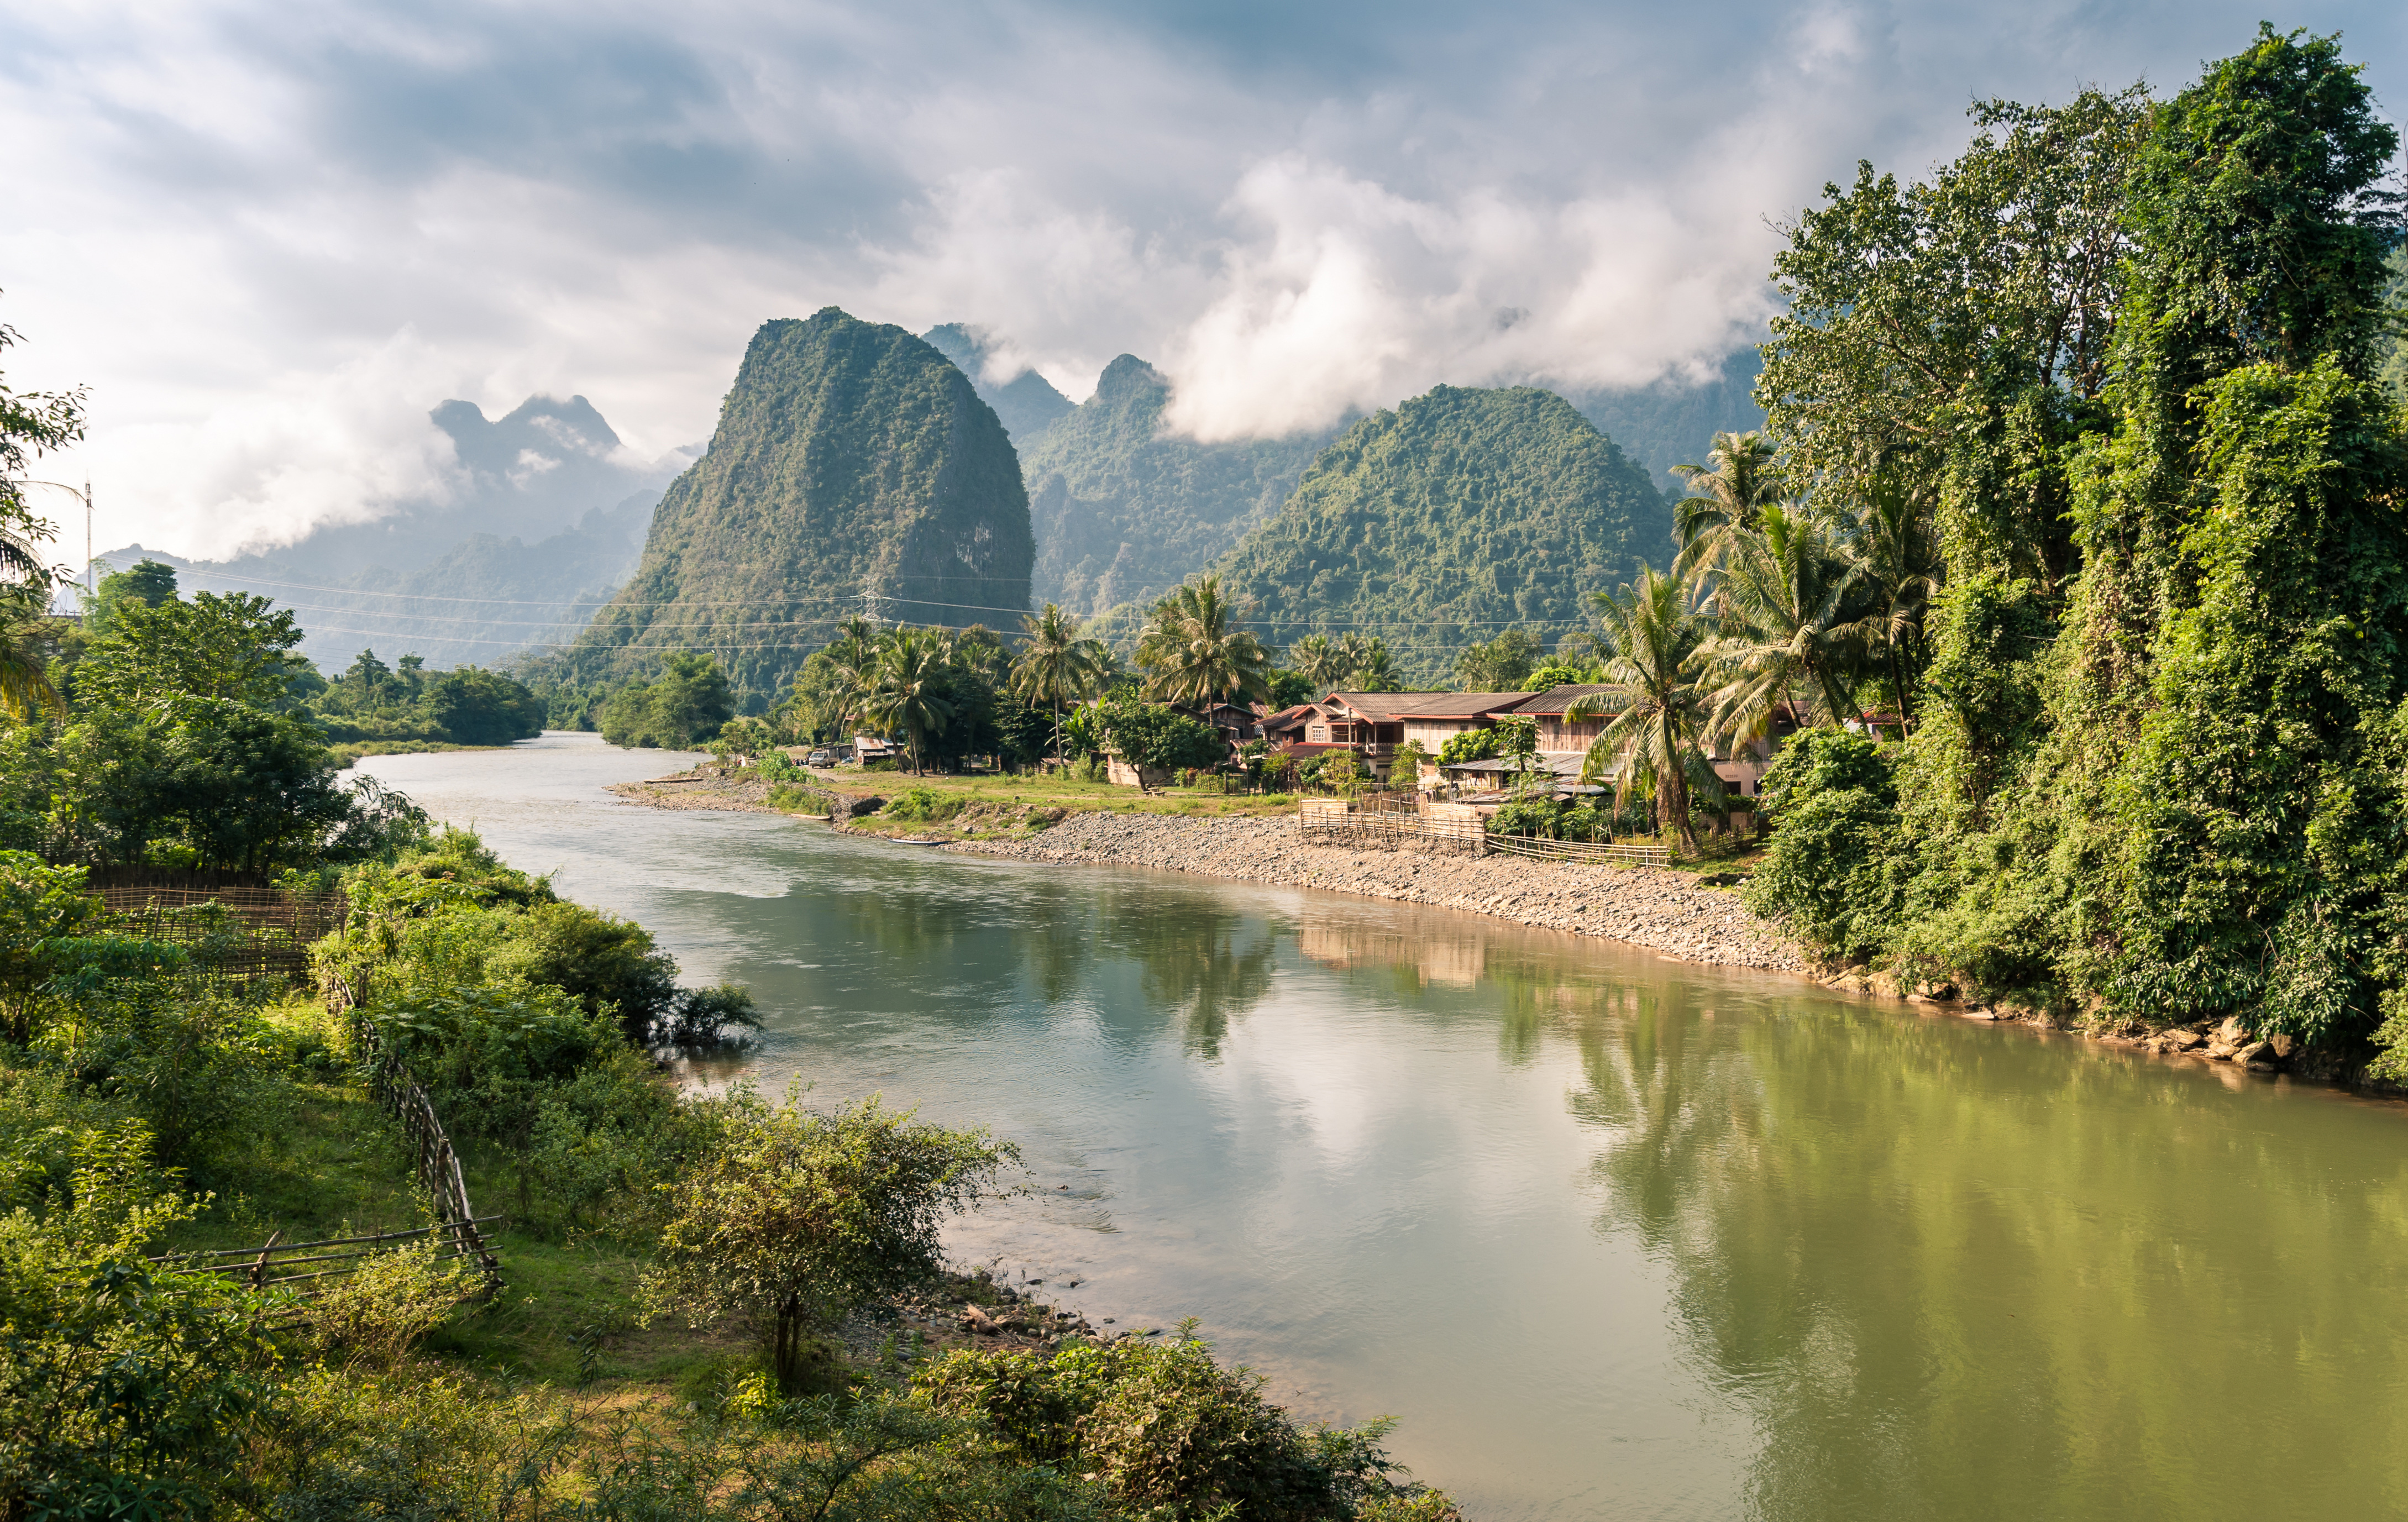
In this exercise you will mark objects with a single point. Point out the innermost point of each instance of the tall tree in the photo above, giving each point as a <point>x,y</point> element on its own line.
<point>1194,651</point>
<point>1056,666</point>
<point>1655,658</point>
<point>908,691</point>
<point>1789,626</point>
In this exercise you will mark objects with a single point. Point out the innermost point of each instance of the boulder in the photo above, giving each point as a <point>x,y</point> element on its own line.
<point>870,804</point>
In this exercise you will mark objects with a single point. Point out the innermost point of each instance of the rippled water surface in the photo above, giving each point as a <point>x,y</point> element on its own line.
<point>1610,1236</point>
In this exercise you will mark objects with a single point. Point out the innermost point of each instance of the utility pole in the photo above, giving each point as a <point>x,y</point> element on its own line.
<point>91,578</point>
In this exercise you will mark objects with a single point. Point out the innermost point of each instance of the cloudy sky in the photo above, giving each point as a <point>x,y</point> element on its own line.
<point>269,238</point>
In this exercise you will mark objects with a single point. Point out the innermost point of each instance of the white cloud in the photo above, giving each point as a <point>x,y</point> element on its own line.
<point>270,241</point>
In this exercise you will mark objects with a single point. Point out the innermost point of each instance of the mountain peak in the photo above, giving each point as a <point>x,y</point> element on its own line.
<point>1025,400</point>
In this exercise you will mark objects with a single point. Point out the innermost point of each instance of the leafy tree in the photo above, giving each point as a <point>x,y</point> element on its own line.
<point>1501,665</point>
<point>1155,737</point>
<point>1289,688</point>
<point>232,647</point>
<point>685,705</point>
<point>149,583</point>
<point>792,1218</point>
<point>1955,333</point>
<point>476,707</point>
<point>1194,653</point>
<point>1479,744</point>
<point>1659,653</point>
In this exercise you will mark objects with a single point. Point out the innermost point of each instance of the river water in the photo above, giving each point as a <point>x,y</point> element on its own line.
<point>1610,1236</point>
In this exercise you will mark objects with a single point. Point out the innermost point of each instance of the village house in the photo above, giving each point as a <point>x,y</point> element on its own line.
<point>1374,724</point>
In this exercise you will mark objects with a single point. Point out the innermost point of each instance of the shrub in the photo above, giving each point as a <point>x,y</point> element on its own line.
<point>922,805</point>
<point>1828,874</point>
<point>790,1218</point>
<point>378,1311</point>
<point>1163,1424</point>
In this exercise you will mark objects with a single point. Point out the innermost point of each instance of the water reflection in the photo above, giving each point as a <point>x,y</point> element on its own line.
<point>1613,1236</point>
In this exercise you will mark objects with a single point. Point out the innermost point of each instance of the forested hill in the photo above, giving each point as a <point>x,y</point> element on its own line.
<point>1027,402</point>
<point>854,471</point>
<point>1672,422</point>
<point>1123,511</point>
<point>1457,514</point>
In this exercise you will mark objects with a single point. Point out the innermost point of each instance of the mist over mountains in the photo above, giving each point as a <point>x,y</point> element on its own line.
<point>547,518</point>
<point>817,499</point>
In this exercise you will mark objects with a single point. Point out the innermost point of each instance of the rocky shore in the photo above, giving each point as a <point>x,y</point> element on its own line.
<point>1663,910</point>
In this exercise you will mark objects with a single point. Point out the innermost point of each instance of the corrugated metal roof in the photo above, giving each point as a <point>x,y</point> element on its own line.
<point>1555,699</point>
<point>1389,706</point>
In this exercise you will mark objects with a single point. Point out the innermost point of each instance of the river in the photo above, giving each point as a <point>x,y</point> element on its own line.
<point>1610,1236</point>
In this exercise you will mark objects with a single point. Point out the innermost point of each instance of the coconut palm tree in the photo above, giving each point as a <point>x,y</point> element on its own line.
<point>1318,661</point>
<point>1056,666</point>
<point>1369,668</point>
<point>1194,654</point>
<point>25,689</point>
<point>1655,654</point>
<point>908,690</point>
<point>1897,556</point>
<point>1787,622</point>
<point>1724,500</point>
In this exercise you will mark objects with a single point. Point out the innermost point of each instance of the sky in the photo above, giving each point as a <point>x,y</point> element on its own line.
<point>269,238</point>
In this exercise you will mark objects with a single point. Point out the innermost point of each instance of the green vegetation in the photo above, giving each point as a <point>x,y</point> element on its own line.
<point>2158,768</point>
<point>853,466</point>
<point>1459,512</point>
<point>686,705</point>
<point>1194,653</point>
<point>1026,404</point>
<point>1123,511</point>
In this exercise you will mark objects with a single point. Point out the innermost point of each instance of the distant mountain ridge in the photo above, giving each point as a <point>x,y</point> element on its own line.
<point>1028,404</point>
<point>854,471</point>
<point>547,518</point>
<point>1443,520</point>
<point>1123,511</point>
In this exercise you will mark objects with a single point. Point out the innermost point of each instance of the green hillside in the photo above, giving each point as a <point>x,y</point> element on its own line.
<point>1457,514</point>
<point>1123,512</point>
<point>854,471</point>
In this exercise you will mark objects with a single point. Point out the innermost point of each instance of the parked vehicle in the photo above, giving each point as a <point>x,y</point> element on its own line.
<point>819,758</point>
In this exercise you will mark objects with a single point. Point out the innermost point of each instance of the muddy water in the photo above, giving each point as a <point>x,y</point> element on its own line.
<point>1610,1236</point>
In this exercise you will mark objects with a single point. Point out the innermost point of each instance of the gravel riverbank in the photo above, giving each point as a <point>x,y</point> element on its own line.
<point>1664,911</point>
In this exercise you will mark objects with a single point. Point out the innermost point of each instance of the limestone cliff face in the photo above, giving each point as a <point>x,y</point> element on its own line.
<point>854,471</point>
<point>1124,512</point>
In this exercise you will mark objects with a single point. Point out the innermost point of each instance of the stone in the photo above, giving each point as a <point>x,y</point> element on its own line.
<point>2184,1040</point>
<point>2283,1043</point>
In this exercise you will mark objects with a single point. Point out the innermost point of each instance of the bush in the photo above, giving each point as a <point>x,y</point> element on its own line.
<point>789,1219</point>
<point>1829,873</point>
<point>1163,1424</point>
<point>378,1311</point>
<point>922,805</point>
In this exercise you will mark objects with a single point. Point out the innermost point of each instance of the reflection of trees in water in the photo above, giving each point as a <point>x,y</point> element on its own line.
<point>1938,1266</point>
<point>1210,968</point>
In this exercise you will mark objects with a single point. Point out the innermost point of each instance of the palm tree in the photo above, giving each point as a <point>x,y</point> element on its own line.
<point>1056,664</point>
<point>1318,661</point>
<point>854,668</point>
<point>1193,654</point>
<point>1897,557</point>
<point>1725,501</point>
<point>908,692</point>
<point>25,688</point>
<point>1655,650</point>
<point>1787,591</point>
<point>1373,669</point>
